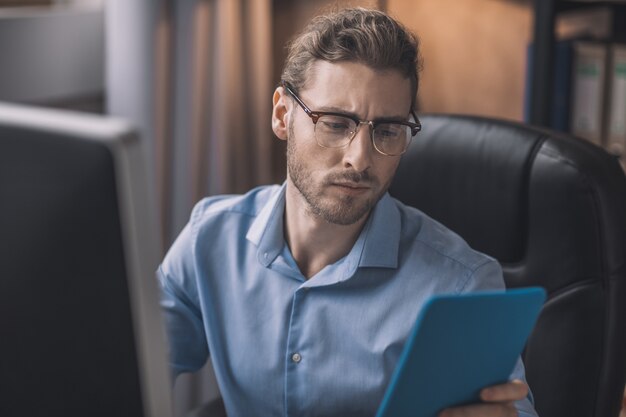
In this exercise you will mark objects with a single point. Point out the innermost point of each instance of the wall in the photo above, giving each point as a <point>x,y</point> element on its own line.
<point>474,53</point>
<point>53,56</point>
<point>474,50</point>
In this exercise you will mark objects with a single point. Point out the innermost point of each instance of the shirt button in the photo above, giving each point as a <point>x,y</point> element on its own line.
<point>296,357</point>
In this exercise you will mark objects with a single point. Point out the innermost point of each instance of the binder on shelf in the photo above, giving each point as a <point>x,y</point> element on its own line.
<point>561,87</point>
<point>616,124</point>
<point>589,90</point>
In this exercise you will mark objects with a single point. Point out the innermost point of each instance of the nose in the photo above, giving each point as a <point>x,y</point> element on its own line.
<point>358,154</point>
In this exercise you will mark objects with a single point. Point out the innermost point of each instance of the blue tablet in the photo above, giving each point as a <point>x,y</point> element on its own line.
<point>459,345</point>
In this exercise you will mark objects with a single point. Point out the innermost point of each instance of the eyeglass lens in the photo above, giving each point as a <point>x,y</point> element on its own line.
<point>336,131</point>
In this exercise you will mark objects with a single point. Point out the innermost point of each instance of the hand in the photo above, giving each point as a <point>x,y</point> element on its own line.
<point>498,401</point>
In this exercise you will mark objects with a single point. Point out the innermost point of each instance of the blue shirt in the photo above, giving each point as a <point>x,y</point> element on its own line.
<point>282,345</point>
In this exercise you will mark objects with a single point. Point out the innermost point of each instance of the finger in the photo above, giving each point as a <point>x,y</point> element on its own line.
<point>511,391</point>
<point>481,410</point>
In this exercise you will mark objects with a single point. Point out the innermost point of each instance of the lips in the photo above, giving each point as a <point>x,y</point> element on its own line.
<point>351,189</point>
<point>355,186</point>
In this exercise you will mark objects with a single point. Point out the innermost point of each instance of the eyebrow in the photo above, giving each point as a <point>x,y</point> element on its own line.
<point>332,109</point>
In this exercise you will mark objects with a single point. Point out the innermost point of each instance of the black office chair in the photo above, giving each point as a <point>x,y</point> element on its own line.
<point>552,209</point>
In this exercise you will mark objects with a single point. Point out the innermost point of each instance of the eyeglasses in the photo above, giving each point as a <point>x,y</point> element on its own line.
<point>336,130</point>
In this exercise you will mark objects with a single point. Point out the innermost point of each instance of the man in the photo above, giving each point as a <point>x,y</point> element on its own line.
<point>304,294</point>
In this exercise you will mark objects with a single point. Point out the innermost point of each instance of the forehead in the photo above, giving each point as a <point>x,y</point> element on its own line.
<point>356,87</point>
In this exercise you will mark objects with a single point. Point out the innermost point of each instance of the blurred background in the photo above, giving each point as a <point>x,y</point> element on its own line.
<point>196,77</point>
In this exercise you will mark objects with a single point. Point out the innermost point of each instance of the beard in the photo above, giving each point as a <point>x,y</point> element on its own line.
<point>344,210</point>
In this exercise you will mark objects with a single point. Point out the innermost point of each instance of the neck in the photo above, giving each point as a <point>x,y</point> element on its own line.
<point>314,242</point>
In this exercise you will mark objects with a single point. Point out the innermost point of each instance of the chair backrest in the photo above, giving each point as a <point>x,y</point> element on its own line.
<point>552,209</point>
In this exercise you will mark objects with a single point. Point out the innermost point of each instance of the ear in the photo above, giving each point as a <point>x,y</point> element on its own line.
<point>280,113</point>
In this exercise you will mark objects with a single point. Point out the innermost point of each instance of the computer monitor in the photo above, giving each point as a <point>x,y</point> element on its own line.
<point>80,326</point>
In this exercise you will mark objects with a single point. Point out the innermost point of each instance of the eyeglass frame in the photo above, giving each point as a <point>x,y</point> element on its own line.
<point>315,115</point>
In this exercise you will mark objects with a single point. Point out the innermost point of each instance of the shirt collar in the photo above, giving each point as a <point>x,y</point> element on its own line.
<point>266,231</point>
<point>382,239</point>
<point>380,236</point>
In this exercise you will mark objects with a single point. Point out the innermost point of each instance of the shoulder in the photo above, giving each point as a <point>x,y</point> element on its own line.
<point>230,207</point>
<point>223,218</point>
<point>427,240</point>
<point>249,204</point>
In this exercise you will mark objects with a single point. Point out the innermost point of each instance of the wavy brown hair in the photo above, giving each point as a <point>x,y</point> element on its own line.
<point>366,36</point>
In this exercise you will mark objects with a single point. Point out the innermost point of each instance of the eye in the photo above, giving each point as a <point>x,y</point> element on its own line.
<point>390,131</point>
<point>334,124</point>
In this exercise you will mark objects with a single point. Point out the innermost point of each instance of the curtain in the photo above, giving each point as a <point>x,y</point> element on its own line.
<point>195,78</point>
<point>221,106</point>
<point>220,90</point>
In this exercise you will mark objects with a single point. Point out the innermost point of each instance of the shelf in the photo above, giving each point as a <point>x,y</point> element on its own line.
<point>543,54</point>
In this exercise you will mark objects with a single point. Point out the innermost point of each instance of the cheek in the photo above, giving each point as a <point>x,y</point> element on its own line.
<point>304,154</point>
<point>320,161</point>
<point>317,159</point>
<point>387,168</point>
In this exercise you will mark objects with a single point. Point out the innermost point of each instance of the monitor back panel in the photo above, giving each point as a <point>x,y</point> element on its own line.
<point>67,346</point>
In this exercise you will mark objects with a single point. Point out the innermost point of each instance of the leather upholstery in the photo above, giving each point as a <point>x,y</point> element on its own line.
<point>552,209</point>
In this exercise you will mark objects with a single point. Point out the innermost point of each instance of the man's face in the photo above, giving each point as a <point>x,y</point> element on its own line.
<point>341,185</point>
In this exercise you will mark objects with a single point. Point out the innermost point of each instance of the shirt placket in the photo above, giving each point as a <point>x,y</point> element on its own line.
<point>296,360</point>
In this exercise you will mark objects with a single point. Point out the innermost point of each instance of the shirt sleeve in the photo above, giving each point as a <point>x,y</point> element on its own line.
<point>525,407</point>
<point>489,276</point>
<point>188,349</point>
